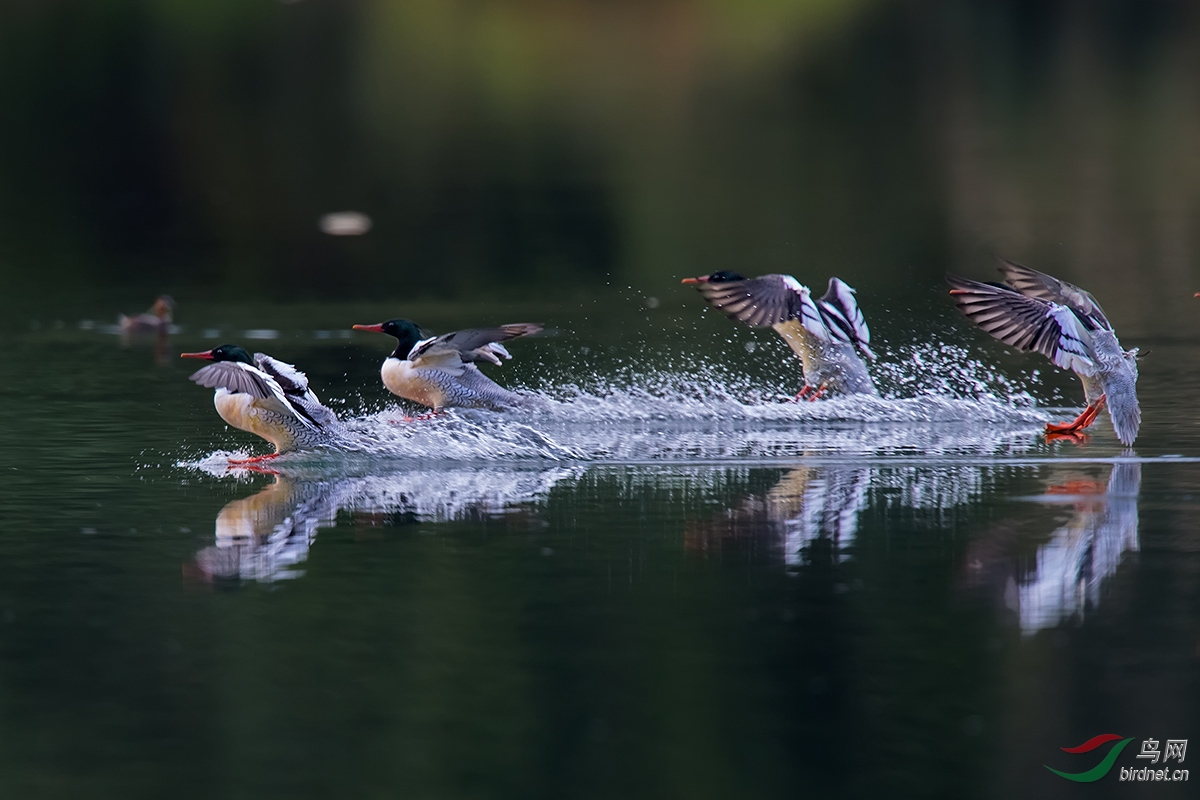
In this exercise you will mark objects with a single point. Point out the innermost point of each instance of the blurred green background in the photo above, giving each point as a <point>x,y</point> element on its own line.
<point>535,149</point>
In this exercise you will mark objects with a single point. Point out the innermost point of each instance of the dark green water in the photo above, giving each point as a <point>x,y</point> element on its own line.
<point>705,597</point>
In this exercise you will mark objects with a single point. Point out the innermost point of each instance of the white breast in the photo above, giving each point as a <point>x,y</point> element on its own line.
<point>247,413</point>
<point>236,408</point>
<point>404,380</point>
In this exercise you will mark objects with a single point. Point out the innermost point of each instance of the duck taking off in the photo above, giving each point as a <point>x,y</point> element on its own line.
<point>266,397</point>
<point>825,333</point>
<point>439,371</point>
<point>1034,311</point>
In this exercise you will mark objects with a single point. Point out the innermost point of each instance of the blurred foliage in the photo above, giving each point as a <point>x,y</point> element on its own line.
<point>513,147</point>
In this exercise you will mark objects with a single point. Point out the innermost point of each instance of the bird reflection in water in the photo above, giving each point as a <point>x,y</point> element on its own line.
<point>265,536</point>
<point>816,509</point>
<point>811,503</point>
<point>807,504</point>
<point>1064,579</point>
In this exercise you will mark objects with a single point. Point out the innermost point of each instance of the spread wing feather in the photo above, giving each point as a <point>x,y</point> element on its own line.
<point>292,380</point>
<point>295,387</point>
<point>473,344</point>
<point>1027,323</point>
<point>766,300</point>
<point>840,312</point>
<point>234,376</point>
<point>237,377</point>
<point>1032,283</point>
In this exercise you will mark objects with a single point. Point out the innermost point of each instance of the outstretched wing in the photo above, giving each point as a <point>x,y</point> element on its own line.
<point>473,344</point>
<point>287,376</point>
<point>295,386</point>
<point>1026,323</point>
<point>842,316</point>
<point>1032,283</point>
<point>766,300</point>
<point>235,376</point>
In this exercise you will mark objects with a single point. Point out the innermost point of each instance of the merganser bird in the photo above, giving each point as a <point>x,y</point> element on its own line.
<point>157,319</point>
<point>1034,311</point>
<point>823,333</point>
<point>439,371</point>
<point>266,397</point>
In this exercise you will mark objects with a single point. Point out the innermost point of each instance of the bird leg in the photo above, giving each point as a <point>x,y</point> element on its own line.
<point>260,470</point>
<point>810,393</point>
<point>1082,421</point>
<point>437,412</point>
<point>803,393</point>
<point>254,460</point>
<point>1078,488</point>
<point>1075,437</point>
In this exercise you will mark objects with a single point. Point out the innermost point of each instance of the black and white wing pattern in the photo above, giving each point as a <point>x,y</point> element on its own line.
<point>235,376</point>
<point>842,316</point>
<point>473,344</point>
<point>766,300</point>
<point>1032,283</point>
<point>1027,323</point>
<point>296,389</point>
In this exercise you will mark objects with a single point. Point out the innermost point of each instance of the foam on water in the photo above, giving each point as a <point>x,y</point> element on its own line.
<point>688,423</point>
<point>936,400</point>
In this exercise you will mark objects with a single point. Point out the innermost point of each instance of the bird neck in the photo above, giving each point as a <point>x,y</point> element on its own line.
<point>404,345</point>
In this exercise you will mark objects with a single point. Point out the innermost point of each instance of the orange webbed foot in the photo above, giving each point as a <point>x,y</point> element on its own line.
<point>437,412</point>
<point>1078,488</point>
<point>254,460</point>
<point>803,393</point>
<point>260,469</point>
<point>1075,426</point>
<point>1074,437</point>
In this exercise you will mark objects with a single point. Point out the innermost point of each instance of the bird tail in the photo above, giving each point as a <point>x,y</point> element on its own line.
<point>1121,398</point>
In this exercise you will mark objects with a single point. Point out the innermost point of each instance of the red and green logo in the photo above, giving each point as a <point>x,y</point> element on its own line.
<point>1100,770</point>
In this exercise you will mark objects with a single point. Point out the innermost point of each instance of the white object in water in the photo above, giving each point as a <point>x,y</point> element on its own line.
<point>345,223</point>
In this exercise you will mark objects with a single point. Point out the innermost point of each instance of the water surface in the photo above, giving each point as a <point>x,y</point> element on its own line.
<point>665,582</point>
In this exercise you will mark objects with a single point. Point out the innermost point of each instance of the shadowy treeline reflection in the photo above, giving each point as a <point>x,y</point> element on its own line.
<point>551,145</point>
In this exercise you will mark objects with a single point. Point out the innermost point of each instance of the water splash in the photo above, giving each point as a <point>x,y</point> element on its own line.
<point>936,400</point>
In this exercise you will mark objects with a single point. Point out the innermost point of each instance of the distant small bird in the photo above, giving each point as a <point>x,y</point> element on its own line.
<point>439,371</point>
<point>1034,311</point>
<point>156,320</point>
<point>824,333</point>
<point>266,397</point>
